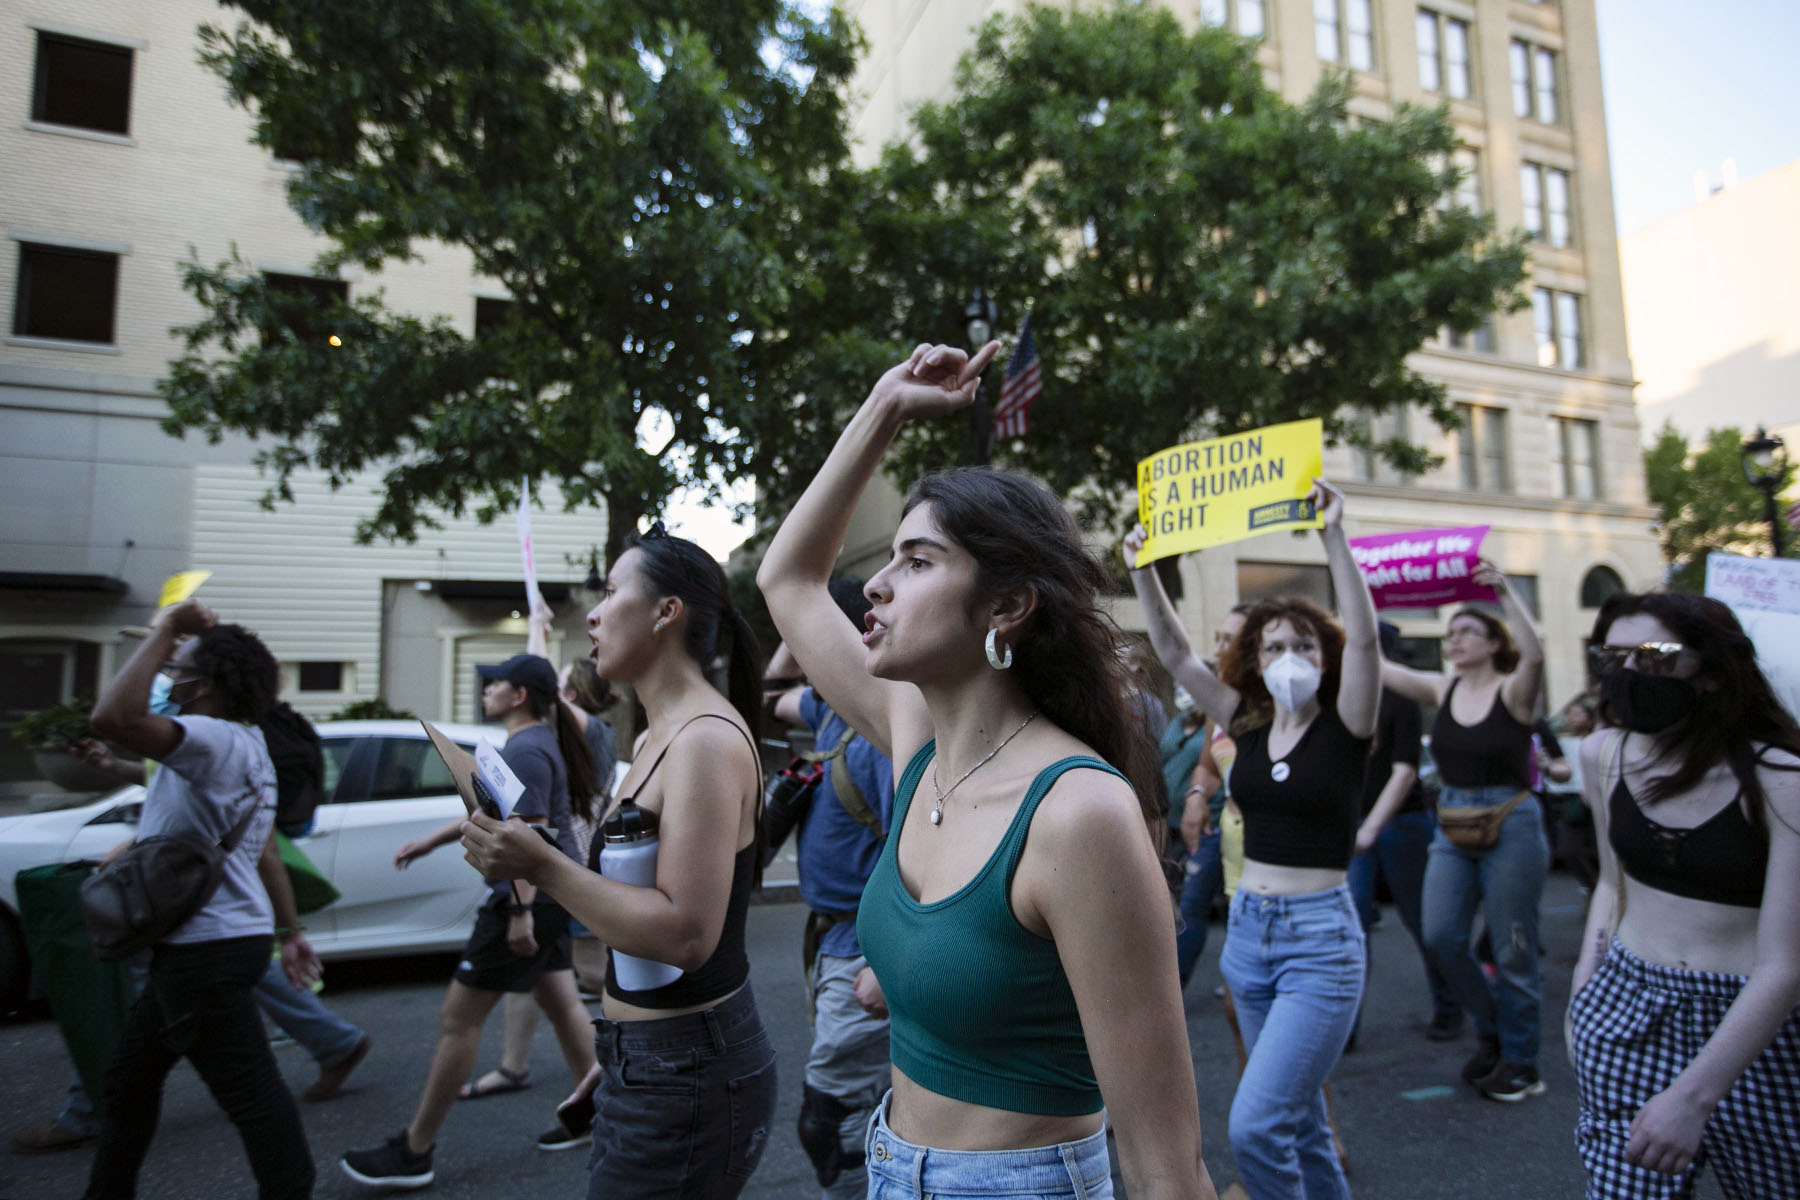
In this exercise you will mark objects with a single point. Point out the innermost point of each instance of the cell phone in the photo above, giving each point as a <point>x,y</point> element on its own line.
<point>484,799</point>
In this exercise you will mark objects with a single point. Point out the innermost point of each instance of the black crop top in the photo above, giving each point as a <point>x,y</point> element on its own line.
<point>1494,752</point>
<point>1308,816</point>
<point>728,967</point>
<point>1722,860</point>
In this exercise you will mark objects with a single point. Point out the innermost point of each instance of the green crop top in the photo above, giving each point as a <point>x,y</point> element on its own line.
<point>979,1007</point>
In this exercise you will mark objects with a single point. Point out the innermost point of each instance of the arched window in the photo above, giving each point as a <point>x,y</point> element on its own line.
<point>1598,584</point>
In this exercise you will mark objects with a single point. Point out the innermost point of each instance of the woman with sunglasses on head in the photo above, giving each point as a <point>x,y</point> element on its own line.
<point>1017,919</point>
<point>687,1086</point>
<point>1490,848</point>
<point>1300,694</point>
<point>1683,1021</point>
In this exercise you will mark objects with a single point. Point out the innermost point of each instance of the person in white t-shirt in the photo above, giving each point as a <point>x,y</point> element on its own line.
<point>198,1001</point>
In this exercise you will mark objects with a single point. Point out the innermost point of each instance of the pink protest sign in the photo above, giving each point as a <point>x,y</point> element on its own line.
<point>1424,568</point>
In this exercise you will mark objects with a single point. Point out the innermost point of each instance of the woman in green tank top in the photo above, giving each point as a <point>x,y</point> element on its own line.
<point>1017,922</point>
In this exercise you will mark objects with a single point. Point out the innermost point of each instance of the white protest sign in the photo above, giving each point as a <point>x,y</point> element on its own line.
<point>1763,584</point>
<point>502,784</point>
<point>533,598</point>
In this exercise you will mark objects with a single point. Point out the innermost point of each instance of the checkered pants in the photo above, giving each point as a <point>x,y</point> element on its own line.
<point>1635,1026</point>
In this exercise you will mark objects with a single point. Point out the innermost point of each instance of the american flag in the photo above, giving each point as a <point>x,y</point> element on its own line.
<point>1023,384</point>
<point>1793,515</point>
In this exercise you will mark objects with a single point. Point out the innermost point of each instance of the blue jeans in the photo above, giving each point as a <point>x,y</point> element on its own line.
<point>1399,854</point>
<point>326,1036</point>
<point>1507,880</point>
<point>1203,878</point>
<point>1295,968</point>
<point>900,1170</point>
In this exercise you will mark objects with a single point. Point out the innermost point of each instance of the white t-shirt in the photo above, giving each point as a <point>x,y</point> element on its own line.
<point>203,786</point>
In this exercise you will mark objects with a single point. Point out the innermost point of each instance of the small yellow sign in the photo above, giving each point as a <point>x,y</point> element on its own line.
<point>181,585</point>
<point>1225,489</point>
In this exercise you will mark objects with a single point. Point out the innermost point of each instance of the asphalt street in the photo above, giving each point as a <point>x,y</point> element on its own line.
<point>1413,1131</point>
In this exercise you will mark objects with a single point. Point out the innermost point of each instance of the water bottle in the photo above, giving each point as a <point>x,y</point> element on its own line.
<point>629,856</point>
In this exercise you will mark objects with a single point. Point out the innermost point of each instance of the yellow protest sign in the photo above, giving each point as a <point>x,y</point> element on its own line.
<point>180,586</point>
<point>1224,489</point>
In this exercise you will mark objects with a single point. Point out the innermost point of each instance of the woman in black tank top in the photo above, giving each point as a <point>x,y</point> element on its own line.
<point>693,1117</point>
<point>1482,743</point>
<point>1684,1022</point>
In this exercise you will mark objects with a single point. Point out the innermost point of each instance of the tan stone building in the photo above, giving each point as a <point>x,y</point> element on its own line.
<point>121,156</point>
<point>1550,456</point>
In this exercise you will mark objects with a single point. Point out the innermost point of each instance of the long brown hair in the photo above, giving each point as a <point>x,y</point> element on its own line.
<point>577,756</point>
<point>1741,711</point>
<point>1240,668</point>
<point>1067,661</point>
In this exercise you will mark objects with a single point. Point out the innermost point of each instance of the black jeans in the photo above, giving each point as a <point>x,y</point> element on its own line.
<point>198,1004</point>
<point>684,1104</point>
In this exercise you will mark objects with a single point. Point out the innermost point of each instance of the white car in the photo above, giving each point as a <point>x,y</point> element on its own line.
<point>384,786</point>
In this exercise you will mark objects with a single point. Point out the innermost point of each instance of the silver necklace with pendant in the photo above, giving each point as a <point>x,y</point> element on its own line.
<point>937,813</point>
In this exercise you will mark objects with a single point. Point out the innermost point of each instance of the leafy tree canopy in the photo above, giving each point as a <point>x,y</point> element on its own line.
<point>1199,254</point>
<point>636,176</point>
<point>1705,502</point>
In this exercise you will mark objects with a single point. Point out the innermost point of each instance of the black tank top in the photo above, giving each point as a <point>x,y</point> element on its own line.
<point>1493,752</point>
<point>1722,860</point>
<point>728,967</point>
<point>1308,816</point>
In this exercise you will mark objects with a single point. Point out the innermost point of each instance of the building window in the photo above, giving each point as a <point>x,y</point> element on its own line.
<point>1245,16</point>
<point>66,294</point>
<point>1466,191</point>
<point>1344,32</point>
<point>1481,452</point>
<point>321,677</point>
<point>83,84</point>
<point>1545,191</point>
<point>302,303</point>
<point>1534,82</point>
<point>1576,444</point>
<point>1261,580</point>
<point>1598,584</point>
<point>1556,320</point>
<point>490,313</point>
<point>1444,54</point>
<point>1479,341</point>
<point>1378,429</point>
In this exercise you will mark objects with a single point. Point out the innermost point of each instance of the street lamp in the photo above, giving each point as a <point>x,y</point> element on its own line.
<point>979,317</point>
<point>1765,462</point>
<point>593,582</point>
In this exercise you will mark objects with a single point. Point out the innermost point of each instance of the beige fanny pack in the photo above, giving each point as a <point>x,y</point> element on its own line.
<point>1476,826</point>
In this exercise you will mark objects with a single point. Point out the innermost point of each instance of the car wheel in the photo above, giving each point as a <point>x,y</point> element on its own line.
<point>15,965</point>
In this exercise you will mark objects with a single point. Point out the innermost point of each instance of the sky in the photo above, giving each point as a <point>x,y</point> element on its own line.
<point>1688,84</point>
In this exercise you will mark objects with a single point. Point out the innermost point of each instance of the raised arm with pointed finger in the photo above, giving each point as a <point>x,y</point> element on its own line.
<point>797,567</point>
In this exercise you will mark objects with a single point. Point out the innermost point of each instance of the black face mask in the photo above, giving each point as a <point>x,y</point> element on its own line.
<point>1647,703</point>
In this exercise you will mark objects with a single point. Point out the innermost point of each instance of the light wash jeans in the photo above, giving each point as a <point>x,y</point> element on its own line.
<point>325,1035</point>
<point>848,1061</point>
<point>1295,968</point>
<point>1507,880</point>
<point>899,1170</point>
<point>1203,877</point>
<point>1400,854</point>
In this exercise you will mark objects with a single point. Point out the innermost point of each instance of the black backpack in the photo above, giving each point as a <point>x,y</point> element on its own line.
<point>299,767</point>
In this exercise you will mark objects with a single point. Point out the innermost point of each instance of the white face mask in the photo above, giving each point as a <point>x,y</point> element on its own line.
<point>1292,681</point>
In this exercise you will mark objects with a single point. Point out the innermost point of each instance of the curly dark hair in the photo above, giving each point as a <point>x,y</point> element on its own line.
<point>1240,667</point>
<point>1021,536</point>
<point>240,669</point>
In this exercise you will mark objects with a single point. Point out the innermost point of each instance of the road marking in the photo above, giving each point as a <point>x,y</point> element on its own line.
<point>1427,1093</point>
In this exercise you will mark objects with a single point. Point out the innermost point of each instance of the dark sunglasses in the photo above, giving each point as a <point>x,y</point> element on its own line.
<point>1651,658</point>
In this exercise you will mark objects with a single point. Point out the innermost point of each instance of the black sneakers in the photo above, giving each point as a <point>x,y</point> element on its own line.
<point>1487,1057</point>
<point>574,1125</point>
<point>1511,1082</point>
<point>391,1165</point>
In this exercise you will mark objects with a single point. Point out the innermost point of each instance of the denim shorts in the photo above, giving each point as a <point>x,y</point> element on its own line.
<point>684,1105</point>
<point>899,1170</point>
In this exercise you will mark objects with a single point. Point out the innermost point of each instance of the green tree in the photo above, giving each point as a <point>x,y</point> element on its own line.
<point>1704,502</point>
<point>1199,255</point>
<point>637,178</point>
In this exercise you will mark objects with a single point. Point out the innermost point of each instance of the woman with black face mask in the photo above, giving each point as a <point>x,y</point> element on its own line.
<point>1683,1022</point>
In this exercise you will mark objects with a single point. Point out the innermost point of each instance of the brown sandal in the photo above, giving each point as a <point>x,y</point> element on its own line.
<point>483,1086</point>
